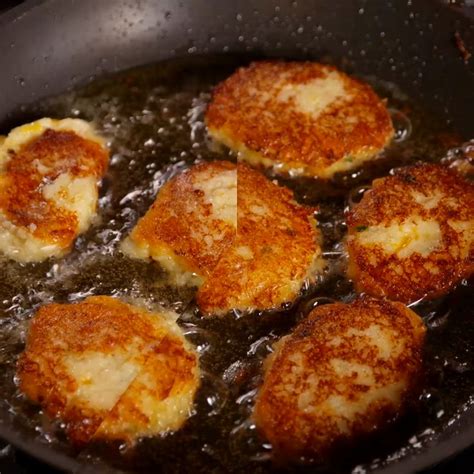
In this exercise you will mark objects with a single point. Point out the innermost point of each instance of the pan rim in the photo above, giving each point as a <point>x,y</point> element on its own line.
<point>16,13</point>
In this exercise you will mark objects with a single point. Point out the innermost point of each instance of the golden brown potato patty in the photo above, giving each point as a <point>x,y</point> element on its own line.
<point>412,234</point>
<point>109,370</point>
<point>345,371</point>
<point>251,244</point>
<point>301,118</point>
<point>49,171</point>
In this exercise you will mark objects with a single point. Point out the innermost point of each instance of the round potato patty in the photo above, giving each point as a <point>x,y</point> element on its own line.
<point>412,234</point>
<point>345,371</point>
<point>299,118</point>
<point>109,370</point>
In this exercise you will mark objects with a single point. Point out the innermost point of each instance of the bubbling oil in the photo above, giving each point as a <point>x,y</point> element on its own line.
<point>153,118</point>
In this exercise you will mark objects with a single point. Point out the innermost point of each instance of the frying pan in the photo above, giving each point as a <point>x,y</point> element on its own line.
<point>51,45</point>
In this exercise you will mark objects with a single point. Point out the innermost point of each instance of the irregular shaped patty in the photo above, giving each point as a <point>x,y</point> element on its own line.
<point>192,221</point>
<point>275,252</point>
<point>301,118</point>
<point>412,234</point>
<point>109,370</point>
<point>250,243</point>
<point>345,371</point>
<point>49,170</point>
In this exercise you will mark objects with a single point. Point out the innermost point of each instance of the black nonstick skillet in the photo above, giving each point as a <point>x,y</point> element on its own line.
<point>423,46</point>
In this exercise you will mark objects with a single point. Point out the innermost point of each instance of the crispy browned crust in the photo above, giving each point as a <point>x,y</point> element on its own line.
<point>180,218</point>
<point>283,241</point>
<point>21,198</point>
<point>389,200</point>
<point>295,432</point>
<point>279,235</point>
<point>283,134</point>
<point>99,324</point>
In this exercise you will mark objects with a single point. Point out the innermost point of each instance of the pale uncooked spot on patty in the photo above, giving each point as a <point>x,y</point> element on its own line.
<point>160,398</point>
<point>77,195</point>
<point>221,192</point>
<point>412,236</point>
<point>101,379</point>
<point>430,201</point>
<point>244,251</point>
<point>316,95</point>
<point>381,338</point>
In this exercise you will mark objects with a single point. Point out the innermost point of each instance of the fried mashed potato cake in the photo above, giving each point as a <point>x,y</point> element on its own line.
<point>191,223</point>
<point>412,234</point>
<point>109,370</point>
<point>345,371</point>
<point>275,252</point>
<point>49,171</point>
<point>299,118</point>
<point>250,244</point>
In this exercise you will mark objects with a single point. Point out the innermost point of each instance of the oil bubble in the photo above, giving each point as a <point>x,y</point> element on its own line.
<point>307,306</point>
<point>202,339</point>
<point>356,195</point>
<point>213,392</point>
<point>401,124</point>
<point>245,438</point>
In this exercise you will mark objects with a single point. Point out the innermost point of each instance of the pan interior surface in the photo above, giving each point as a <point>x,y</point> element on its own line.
<point>153,117</point>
